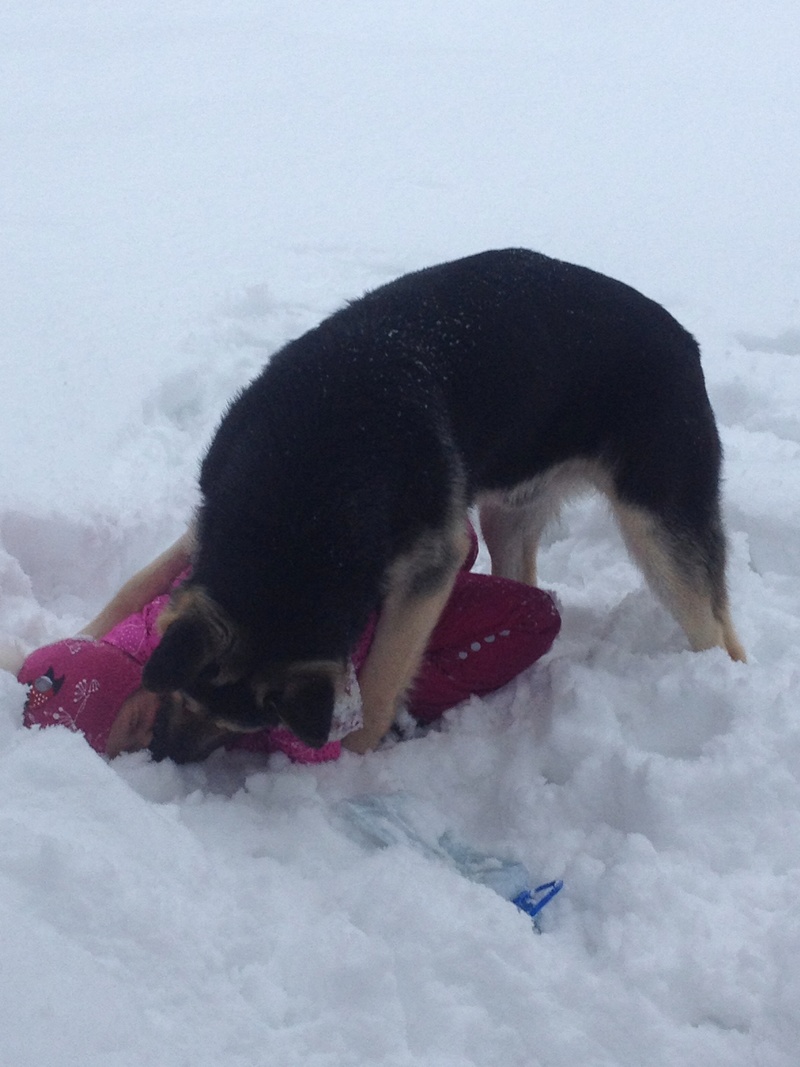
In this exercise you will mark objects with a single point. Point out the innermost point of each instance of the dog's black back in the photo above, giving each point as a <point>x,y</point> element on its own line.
<point>491,370</point>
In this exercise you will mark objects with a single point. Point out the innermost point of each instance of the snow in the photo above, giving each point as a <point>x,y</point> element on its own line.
<point>186,186</point>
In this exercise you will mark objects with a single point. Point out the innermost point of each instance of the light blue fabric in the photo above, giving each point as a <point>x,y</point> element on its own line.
<point>380,820</point>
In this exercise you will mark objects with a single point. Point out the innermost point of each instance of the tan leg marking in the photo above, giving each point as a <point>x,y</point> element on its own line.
<point>512,538</point>
<point>401,635</point>
<point>690,602</point>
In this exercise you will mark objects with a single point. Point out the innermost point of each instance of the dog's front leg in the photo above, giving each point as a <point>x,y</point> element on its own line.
<point>400,638</point>
<point>405,623</point>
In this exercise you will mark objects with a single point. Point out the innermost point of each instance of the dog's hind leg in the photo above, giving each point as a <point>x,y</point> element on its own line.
<point>416,597</point>
<point>512,533</point>
<point>686,571</point>
<point>512,523</point>
<point>512,540</point>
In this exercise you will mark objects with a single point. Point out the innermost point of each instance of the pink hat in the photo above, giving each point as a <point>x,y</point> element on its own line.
<point>79,683</point>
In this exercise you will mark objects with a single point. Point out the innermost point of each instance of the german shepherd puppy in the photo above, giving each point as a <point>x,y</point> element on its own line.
<point>339,480</point>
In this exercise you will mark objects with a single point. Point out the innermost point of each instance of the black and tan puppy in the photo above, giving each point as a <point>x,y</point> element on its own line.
<point>339,480</point>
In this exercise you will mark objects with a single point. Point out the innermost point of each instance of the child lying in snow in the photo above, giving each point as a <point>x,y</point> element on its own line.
<point>491,629</point>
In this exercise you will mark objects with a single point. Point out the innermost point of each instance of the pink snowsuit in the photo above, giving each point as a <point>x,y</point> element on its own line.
<point>490,630</point>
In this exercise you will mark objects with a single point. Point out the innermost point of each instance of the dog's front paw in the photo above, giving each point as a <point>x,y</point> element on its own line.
<point>362,741</point>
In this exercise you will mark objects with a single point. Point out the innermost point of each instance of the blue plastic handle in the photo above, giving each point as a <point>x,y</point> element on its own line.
<point>532,901</point>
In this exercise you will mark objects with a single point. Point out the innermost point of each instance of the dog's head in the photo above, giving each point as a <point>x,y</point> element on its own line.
<point>222,685</point>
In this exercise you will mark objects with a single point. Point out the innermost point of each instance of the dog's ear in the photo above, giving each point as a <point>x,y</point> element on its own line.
<point>198,635</point>
<point>306,707</point>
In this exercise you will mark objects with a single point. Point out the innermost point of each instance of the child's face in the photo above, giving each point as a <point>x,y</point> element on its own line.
<point>133,726</point>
